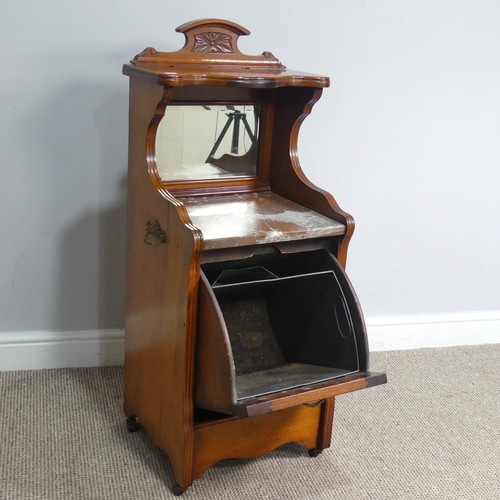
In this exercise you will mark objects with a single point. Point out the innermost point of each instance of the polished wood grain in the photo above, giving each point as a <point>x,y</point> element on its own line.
<point>287,178</point>
<point>326,424</point>
<point>161,298</point>
<point>209,42</point>
<point>210,56</point>
<point>263,79</point>
<point>324,390</point>
<point>178,359</point>
<point>252,437</point>
<point>215,376</point>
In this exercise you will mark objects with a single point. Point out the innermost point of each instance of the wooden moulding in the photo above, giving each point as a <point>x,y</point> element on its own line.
<point>253,437</point>
<point>209,41</point>
<point>287,179</point>
<point>211,56</point>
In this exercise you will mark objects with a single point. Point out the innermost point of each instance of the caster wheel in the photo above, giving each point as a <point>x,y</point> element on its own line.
<point>132,423</point>
<point>178,490</point>
<point>314,452</point>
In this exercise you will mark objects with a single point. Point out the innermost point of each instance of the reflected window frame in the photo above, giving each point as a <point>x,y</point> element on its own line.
<point>263,140</point>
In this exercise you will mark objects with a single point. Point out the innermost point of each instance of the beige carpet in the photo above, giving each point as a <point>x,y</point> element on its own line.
<point>432,433</point>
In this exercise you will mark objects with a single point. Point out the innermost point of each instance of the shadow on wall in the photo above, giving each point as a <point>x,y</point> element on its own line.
<point>91,281</point>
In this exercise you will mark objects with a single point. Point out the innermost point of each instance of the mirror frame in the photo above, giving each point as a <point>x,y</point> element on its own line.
<point>217,150</point>
<point>235,183</point>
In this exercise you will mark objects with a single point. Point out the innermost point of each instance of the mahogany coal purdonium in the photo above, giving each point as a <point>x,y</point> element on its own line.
<point>241,325</point>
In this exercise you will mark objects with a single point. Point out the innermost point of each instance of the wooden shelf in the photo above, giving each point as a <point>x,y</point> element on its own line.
<point>236,220</point>
<point>308,394</point>
<point>284,377</point>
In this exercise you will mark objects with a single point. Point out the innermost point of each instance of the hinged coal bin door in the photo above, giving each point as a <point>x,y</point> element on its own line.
<point>284,322</point>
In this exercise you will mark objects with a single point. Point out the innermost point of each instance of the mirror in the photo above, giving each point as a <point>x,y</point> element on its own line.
<point>200,142</point>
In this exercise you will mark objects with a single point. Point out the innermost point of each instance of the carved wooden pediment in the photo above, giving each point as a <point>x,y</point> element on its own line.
<point>209,41</point>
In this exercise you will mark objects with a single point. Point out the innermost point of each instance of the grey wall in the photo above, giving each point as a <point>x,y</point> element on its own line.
<point>407,139</point>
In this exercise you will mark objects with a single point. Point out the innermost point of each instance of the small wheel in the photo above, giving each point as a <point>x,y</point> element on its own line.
<point>314,452</point>
<point>178,490</point>
<point>132,423</point>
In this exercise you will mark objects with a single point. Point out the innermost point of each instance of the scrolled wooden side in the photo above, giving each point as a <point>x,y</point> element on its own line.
<point>287,178</point>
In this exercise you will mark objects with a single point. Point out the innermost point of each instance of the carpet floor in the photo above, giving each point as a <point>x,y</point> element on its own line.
<point>433,432</point>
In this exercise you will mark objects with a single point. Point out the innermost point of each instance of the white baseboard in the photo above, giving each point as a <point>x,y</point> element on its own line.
<point>38,350</point>
<point>73,349</point>
<point>440,330</point>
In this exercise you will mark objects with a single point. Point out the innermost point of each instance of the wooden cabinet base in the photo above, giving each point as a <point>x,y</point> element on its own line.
<point>243,438</point>
<point>256,436</point>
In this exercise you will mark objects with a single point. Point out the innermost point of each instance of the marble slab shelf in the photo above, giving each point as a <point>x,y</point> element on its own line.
<point>232,220</point>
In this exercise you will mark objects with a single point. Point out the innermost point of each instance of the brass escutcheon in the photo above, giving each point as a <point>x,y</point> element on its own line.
<point>317,403</point>
<point>154,233</point>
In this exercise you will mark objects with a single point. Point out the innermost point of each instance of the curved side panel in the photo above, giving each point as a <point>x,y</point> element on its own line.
<point>153,167</point>
<point>356,314</point>
<point>215,376</point>
<point>162,283</point>
<point>293,105</point>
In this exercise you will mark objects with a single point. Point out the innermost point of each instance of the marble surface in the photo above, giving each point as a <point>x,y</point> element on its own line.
<point>254,219</point>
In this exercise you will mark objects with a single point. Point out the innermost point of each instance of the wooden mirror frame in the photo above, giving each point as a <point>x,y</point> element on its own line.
<point>241,183</point>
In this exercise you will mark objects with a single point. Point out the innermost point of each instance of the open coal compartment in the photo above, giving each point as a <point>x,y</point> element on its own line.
<point>292,320</point>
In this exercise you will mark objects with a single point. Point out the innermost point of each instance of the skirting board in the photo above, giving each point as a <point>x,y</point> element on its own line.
<point>439,330</point>
<point>39,350</point>
<point>47,349</point>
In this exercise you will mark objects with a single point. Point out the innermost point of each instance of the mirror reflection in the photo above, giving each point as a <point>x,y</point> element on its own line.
<point>196,142</point>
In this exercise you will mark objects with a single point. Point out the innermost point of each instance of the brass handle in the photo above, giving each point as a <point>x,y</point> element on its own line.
<point>317,403</point>
<point>154,233</point>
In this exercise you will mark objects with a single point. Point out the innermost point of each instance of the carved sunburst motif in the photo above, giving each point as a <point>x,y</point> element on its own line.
<point>212,42</point>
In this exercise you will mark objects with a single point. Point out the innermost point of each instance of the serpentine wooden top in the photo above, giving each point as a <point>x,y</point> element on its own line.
<point>210,56</point>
